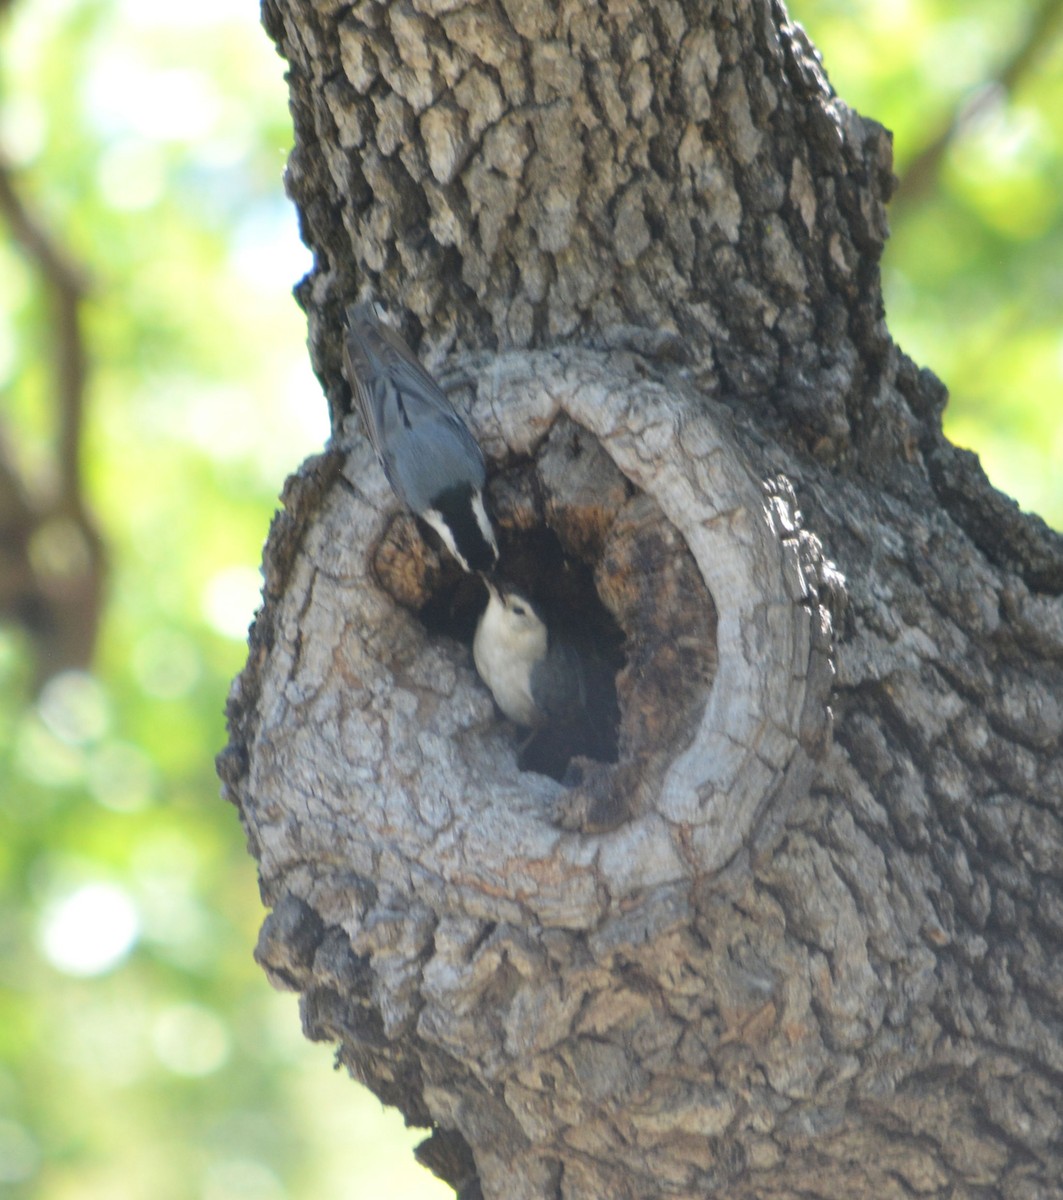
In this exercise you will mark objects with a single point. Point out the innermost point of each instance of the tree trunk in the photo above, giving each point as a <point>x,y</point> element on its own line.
<point>803,937</point>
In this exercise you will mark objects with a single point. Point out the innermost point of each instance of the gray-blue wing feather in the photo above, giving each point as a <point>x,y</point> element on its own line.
<point>558,684</point>
<point>422,443</point>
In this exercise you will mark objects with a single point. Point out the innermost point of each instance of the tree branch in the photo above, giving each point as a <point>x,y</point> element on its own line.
<point>68,285</point>
<point>922,172</point>
<point>55,594</point>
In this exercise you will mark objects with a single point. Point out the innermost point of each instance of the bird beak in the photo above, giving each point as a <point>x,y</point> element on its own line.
<point>494,585</point>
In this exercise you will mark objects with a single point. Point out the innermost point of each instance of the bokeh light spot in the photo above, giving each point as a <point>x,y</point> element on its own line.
<point>241,1179</point>
<point>166,664</point>
<point>131,175</point>
<point>172,104</point>
<point>46,759</point>
<point>74,708</point>
<point>23,128</point>
<point>190,1040</point>
<point>121,777</point>
<point>59,550</point>
<point>89,931</point>
<point>103,1038</point>
<point>230,600</point>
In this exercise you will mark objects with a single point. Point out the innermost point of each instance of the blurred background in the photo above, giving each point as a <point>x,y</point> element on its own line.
<point>154,393</point>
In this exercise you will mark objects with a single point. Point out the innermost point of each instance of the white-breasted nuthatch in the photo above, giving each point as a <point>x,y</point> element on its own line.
<point>431,460</point>
<point>536,679</point>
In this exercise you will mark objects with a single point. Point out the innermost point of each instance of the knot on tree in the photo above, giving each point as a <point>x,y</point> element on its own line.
<point>450,929</point>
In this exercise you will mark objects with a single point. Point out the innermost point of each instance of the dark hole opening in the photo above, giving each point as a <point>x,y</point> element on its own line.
<point>563,588</point>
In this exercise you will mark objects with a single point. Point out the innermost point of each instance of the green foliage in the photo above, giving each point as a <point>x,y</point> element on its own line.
<point>141,1051</point>
<point>971,273</point>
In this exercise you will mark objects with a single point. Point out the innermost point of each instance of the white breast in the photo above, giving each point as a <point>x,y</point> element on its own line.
<point>505,668</point>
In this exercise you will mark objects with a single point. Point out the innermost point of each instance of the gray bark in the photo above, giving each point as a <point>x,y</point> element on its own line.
<point>802,938</point>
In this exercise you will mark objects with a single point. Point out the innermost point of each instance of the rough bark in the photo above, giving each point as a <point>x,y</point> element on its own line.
<point>749,958</point>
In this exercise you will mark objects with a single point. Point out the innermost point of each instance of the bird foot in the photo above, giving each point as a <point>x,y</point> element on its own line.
<point>595,804</point>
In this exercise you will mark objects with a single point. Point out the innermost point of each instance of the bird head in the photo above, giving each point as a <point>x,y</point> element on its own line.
<point>515,620</point>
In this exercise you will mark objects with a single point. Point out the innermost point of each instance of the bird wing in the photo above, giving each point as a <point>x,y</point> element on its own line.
<point>558,683</point>
<point>402,405</point>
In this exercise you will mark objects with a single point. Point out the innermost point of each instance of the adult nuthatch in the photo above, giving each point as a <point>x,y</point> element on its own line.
<point>431,460</point>
<point>536,679</point>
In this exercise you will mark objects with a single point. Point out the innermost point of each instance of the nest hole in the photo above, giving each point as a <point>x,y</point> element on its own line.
<point>610,574</point>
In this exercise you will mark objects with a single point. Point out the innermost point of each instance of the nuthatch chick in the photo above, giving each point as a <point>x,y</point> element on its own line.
<point>536,679</point>
<point>431,460</point>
